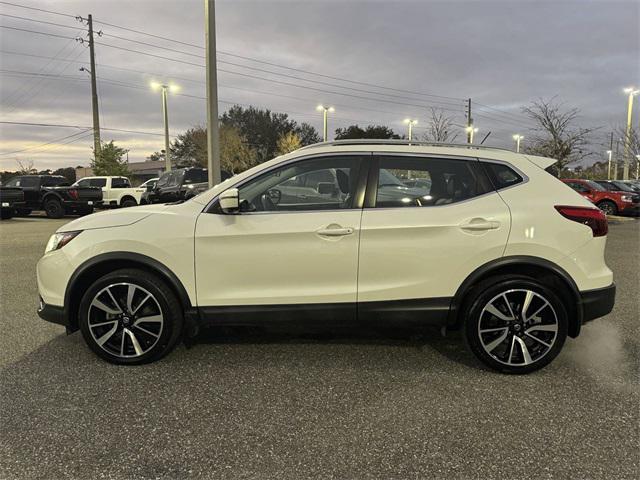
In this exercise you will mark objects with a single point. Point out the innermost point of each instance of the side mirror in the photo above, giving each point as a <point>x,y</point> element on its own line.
<point>326,188</point>
<point>230,201</point>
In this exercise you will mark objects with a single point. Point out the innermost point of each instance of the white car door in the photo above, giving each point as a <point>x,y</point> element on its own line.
<point>285,253</point>
<point>420,243</point>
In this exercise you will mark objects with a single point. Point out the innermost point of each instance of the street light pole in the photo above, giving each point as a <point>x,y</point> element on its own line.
<point>411,123</point>
<point>324,110</point>
<point>627,140</point>
<point>470,131</point>
<point>609,152</point>
<point>213,133</point>
<point>517,137</point>
<point>165,115</point>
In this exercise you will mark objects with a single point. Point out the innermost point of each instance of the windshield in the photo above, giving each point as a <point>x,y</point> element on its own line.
<point>623,187</point>
<point>595,186</point>
<point>196,175</point>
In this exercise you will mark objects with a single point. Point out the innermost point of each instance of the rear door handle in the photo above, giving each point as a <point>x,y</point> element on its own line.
<point>477,225</point>
<point>334,232</point>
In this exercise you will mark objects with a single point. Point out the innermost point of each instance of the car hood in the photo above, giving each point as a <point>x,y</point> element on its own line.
<point>113,218</point>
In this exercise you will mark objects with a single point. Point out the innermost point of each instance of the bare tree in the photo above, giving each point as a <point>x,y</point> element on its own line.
<point>25,167</point>
<point>555,135</point>
<point>441,127</point>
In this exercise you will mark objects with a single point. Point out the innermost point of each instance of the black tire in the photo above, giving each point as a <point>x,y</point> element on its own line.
<point>6,214</point>
<point>608,207</point>
<point>128,202</point>
<point>508,355</point>
<point>163,302</point>
<point>53,208</point>
<point>23,212</point>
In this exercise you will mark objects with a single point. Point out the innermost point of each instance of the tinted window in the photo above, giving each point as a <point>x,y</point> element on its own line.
<point>54,181</point>
<point>502,176</point>
<point>623,187</point>
<point>83,183</point>
<point>174,178</point>
<point>120,183</point>
<point>578,187</point>
<point>594,186</point>
<point>31,181</point>
<point>164,179</point>
<point>98,182</point>
<point>426,182</point>
<point>196,175</point>
<point>325,183</point>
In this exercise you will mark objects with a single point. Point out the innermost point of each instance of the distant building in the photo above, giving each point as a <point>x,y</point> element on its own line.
<point>140,171</point>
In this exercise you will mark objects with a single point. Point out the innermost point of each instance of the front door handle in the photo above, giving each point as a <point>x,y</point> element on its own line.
<point>334,231</point>
<point>480,224</point>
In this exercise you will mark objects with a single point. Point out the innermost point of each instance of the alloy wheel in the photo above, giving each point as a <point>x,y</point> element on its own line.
<point>518,327</point>
<point>125,320</point>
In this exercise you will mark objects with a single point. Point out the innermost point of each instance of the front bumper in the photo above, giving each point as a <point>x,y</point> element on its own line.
<point>631,209</point>
<point>53,314</point>
<point>81,204</point>
<point>597,303</point>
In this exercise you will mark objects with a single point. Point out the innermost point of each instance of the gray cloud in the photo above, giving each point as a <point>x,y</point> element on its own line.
<point>502,54</point>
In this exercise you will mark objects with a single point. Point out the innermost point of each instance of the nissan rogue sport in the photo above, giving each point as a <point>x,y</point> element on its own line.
<point>364,232</point>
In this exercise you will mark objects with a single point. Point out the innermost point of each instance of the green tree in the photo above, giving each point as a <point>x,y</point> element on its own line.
<point>67,172</point>
<point>307,134</point>
<point>288,142</point>
<point>236,155</point>
<point>189,149</point>
<point>371,131</point>
<point>109,161</point>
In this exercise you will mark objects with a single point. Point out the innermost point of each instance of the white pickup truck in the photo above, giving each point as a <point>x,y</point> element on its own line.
<point>116,191</point>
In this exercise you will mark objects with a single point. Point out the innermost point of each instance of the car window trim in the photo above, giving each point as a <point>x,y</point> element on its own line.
<point>365,166</point>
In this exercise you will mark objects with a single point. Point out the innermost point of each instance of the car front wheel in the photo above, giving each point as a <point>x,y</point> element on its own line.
<point>515,324</point>
<point>130,317</point>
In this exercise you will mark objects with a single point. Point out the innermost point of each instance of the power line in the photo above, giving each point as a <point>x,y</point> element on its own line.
<point>38,21</point>
<point>38,9</point>
<point>29,124</point>
<point>37,32</point>
<point>45,144</point>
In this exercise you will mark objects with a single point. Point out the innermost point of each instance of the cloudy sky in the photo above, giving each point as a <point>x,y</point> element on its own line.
<point>502,54</point>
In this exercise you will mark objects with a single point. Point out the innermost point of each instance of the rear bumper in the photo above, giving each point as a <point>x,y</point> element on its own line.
<point>81,204</point>
<point>597,303</point>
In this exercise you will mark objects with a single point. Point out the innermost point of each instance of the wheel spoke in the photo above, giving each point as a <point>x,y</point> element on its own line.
<point>525,350</point>
<point>513,344</point>
<point>497,313</point>
<point>548,345</point>
<point>130,293</point>
<point>525,305</point>
<point>141,303</point>
<point>113,299</point>
<point>134,341</point>
<point>506,300</point>
<point>155,335</point>
<point>100,341</point>
<point>98,304</point>
<point>151,319</point>
<point>543,328</point>
<point>546,304</point>
<point>487,330</point>
<point>491,347</point>
<point>94,325</point>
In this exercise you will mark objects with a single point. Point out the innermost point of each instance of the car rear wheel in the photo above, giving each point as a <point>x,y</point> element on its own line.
<point>130,317</point>
<point>608,207</point>
<point>53,208</point>
<point>128,202</point>
<point>515,324</point>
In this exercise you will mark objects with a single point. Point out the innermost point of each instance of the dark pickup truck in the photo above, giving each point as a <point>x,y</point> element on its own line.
<point>11,199</point>
<point>180,184</point>
<point>53,194</point>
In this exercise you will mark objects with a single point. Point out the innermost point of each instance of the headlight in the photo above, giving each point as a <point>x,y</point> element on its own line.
<point>59,240</point>
<point>626,198</point>
<point>190,187</point>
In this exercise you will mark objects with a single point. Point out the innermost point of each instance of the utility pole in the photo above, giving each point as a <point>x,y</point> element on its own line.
<point>627,140</point>
<point>615,164</point>
<point>94,91</point>
<point>165,114</point>
<point>469,123</point>
<point>610,152</point>
<point>213,135</point>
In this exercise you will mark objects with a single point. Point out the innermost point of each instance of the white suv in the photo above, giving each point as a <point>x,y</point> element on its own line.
<point>343,232</point>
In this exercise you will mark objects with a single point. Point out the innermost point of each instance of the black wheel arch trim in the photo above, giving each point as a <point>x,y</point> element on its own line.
<point>525,260</point>
<point>147,261</point>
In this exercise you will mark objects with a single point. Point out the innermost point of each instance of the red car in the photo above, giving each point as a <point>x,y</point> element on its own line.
<point>610,202</point>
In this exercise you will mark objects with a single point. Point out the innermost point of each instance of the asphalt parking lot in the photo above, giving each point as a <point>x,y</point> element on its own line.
<point>274,405</point>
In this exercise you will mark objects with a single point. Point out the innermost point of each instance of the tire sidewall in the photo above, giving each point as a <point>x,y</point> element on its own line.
<point>169,306</point>
<point>128,203</point>
<point>479,299</point>
<point>53,208</point>
<point>613,206</point>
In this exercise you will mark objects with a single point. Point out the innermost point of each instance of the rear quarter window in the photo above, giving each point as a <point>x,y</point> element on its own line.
<point>502,175</point>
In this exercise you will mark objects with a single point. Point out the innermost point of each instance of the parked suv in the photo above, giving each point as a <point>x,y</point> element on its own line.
<point>116,191</point>
<point>53,194</point>
<point>493,245</point>
<point>609,201</point>
<point>180,184</point>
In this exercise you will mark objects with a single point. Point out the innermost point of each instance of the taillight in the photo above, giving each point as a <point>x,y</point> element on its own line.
<point>73,194</point>
<point>593,218</point>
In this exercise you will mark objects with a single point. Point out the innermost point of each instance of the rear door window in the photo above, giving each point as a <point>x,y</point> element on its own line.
<point>98,182</point>
<point>120,183</point>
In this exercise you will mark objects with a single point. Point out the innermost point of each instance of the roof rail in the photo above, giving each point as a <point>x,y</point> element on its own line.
<point>370,141</point>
